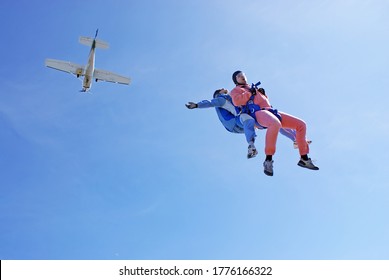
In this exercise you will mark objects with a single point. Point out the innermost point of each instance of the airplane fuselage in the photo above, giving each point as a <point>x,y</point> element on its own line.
<point>89,69</point>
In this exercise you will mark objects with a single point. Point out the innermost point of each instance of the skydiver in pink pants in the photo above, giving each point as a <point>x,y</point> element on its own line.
<point>257,104</point>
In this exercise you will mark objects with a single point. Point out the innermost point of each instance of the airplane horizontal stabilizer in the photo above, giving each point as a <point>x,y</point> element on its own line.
<point>89,41</point>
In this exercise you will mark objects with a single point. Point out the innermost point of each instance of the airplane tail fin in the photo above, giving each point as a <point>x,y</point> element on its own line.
<point>88,42</point>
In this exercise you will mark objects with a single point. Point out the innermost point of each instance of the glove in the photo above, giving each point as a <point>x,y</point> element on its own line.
<point>191,105</point>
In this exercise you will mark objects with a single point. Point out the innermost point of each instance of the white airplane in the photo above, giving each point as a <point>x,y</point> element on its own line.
<point>88,71</point>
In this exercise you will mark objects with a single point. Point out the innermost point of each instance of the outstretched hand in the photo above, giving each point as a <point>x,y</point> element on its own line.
<point>191,105</point>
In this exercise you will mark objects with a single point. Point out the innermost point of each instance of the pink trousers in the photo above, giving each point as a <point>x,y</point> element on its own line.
<point>273,124</point>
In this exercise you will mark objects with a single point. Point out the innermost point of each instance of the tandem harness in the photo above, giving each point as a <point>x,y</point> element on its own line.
<point>250,108</point>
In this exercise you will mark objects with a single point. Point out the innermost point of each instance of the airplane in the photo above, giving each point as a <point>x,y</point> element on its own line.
<point>88,71</point>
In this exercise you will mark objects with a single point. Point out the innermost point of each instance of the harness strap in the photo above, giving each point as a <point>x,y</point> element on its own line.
<point>250,108</point>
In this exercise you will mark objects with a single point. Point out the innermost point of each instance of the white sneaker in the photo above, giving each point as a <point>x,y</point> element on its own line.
<point>307,164</point>
<point>252,151</point>
<point>268,167</point>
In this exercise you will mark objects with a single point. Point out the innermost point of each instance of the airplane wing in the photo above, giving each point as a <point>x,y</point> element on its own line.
<point>65,66</point>
<point>110,77</point>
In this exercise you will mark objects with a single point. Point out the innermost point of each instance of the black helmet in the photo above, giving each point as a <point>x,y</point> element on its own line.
<point>216,93</point>
<point>234,76</point>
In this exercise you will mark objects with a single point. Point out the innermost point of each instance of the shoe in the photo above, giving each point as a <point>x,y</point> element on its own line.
<point>252,151</point>
<point>307,164</point>
<point>296,146</point>
<point>268,167</point>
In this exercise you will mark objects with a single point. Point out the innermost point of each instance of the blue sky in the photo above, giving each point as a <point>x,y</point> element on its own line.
<point>128,172</point>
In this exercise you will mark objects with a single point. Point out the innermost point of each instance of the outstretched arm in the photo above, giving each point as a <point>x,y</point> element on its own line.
<point>216,102</point>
